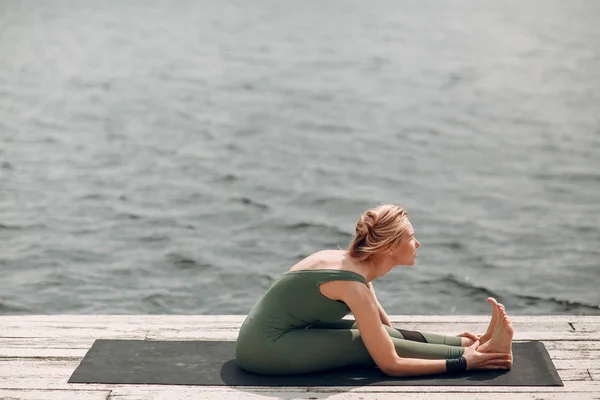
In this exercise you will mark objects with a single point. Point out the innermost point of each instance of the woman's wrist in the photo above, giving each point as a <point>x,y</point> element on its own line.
<point>456,365</point>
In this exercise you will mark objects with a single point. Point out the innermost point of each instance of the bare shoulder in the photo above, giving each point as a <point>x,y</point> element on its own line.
<point>324,259</point>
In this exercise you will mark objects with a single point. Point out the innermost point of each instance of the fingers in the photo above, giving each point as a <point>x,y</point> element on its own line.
<point>497,367</point>
<point>475,344</point>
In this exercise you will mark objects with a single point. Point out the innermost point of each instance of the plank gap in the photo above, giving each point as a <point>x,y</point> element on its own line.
<point>44,358</point>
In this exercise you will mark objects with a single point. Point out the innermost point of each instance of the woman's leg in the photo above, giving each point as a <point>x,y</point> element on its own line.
<point>415,336</point>
<point>312,350</point>
<point>448,340</point>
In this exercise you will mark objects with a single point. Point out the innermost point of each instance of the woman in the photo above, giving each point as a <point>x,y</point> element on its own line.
<point>297,327</point>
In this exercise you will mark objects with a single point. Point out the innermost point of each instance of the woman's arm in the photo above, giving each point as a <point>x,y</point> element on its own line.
<point>382,314</point>
<point>380,346</point>
<point>378,342</point>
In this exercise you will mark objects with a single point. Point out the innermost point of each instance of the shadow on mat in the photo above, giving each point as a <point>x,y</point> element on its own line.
<point>233,375</point>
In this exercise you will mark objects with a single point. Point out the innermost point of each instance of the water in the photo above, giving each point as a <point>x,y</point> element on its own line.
<point>176,157</point>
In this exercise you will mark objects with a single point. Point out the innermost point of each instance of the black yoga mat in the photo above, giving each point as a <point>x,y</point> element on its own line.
<point>213,363</point>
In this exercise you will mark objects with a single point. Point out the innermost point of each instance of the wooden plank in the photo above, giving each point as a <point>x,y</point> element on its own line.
<point>45,347</point>
<point>366,392</point>
<point>157,391</point>
<point>69,394</point>
<point>182,333</point>
<point>126,326</point>
<point>131,320</point>
<point>17,369</point>
<point>42,353</point>
<point>193,394</point>
<point>574,374</point>
<point>544,333</point>
<point>574,364</point>
<point>137,322</point>
<point>41,374</point>
<point>236,320</point>
<point>44,342</point>
<point>191,334</point>
<point>587,326</point>
<point>575,355</point>
<point>79,332</point>
<point>583,345</point>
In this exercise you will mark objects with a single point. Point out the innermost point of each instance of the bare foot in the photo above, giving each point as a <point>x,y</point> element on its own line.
<point>492,326</point>
<point>501,340</point>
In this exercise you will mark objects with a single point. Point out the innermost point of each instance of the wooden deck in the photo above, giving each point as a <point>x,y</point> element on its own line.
<point>39,353</point>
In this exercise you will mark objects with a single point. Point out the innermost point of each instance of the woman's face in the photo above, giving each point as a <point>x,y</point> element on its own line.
<point>406,251</point>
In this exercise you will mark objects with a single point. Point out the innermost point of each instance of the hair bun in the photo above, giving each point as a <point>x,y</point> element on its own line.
<point>366,223</point>
<point>361,229</point>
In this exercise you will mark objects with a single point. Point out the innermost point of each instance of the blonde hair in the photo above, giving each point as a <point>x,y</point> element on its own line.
<point>378,230</point>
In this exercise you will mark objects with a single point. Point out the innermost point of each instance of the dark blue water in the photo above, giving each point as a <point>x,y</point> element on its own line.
<point>175,157</point>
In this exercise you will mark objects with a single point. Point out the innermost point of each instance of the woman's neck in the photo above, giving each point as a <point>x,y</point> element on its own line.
<point>375,268</point>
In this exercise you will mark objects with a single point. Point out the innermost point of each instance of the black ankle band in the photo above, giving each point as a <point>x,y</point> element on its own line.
<point>456,365</point>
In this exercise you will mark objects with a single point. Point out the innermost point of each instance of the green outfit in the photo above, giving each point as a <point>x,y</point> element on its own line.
<point>295,329</point>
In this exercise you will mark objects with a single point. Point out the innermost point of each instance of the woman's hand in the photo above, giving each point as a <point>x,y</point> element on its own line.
<point>479,360</point>
<point>470,336</point>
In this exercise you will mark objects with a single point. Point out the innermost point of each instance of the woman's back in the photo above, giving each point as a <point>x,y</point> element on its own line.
<point>293,301</point>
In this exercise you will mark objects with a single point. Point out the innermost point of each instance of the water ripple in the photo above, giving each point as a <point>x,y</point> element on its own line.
<point>183,262</point>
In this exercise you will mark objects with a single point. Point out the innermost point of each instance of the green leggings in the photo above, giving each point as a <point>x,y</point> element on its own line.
<point>326,346</point>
